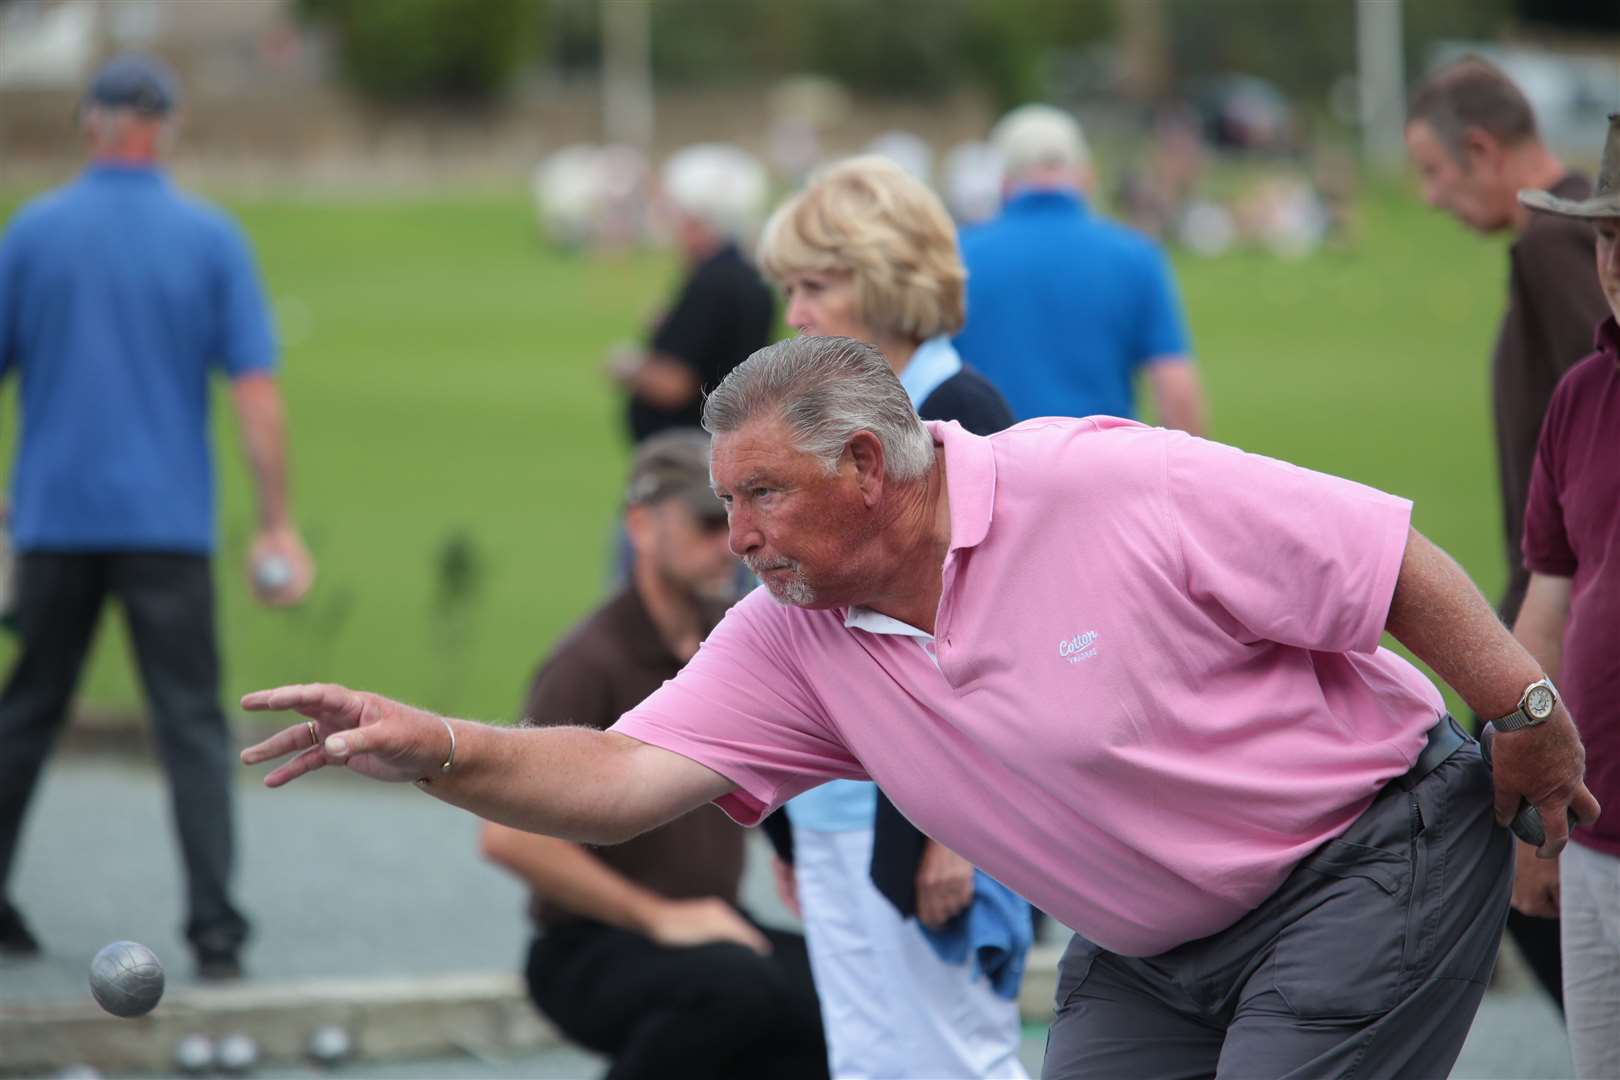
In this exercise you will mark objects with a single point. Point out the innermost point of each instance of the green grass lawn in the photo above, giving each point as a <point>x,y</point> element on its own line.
<point>441,374</point>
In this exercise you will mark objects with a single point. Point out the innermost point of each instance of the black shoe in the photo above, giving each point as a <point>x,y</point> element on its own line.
<point>15,938</point>
<point>218,964</point>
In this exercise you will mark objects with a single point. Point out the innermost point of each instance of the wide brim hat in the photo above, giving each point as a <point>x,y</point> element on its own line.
<point>1605,200</point>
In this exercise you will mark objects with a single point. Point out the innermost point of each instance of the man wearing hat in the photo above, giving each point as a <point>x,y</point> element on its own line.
<point>1472,135</point>
<point>119,295</point>
<point>642,952</point>
<point>1570,622</point>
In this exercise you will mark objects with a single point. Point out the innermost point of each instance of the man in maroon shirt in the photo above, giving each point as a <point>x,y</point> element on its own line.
<point>1472,136</point>
<point>1570,622</point>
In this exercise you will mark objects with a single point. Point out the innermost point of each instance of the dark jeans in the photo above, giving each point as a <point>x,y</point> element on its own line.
<point>168,601</point>
<point>1370,959</point>
<point>709,1011</point>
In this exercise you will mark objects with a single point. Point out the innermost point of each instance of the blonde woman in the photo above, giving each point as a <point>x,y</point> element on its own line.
<point>867,252</point>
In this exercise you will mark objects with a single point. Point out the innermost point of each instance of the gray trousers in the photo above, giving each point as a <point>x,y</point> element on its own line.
<point>1590,903</point>
<point>1370,959</point>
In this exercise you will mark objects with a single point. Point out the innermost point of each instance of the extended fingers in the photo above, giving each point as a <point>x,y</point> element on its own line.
<point>282,742</point>
<point>318,700</point>
<point>307,762</point>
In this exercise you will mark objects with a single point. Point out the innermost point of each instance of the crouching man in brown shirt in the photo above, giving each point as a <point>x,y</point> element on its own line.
<point>642,953</point>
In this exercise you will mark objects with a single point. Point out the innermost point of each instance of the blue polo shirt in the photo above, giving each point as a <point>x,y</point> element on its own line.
<point>119,293</point>
<point>1063,307</point>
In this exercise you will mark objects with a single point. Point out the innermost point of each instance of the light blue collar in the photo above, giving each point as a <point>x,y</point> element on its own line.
<point>934,361</point>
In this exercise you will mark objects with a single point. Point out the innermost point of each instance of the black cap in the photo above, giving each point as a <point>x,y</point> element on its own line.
<point>142,83</point>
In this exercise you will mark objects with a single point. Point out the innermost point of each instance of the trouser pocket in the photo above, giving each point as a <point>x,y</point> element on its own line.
<point>1341,953</point>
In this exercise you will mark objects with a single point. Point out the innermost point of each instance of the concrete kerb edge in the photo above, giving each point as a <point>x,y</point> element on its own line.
<point>484,1014</point>
<point>479,1013</point>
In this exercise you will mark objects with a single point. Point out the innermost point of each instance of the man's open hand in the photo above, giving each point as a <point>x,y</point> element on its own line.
<point>371,735</point>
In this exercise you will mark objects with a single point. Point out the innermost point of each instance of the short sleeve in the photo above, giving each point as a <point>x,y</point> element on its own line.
<point>743,708</point>
<point>246,344</point>
<point>1546,545</point>
<point>1562,301</point>
<point>1290,555</point>
<point>1164,328</point>
<point>688,332</point>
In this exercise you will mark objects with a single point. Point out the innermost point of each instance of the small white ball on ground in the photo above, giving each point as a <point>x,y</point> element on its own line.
<point>194,1054</point>
<point>237,1053</point>
<point>272,573</point>
<point>126,979</point>
<point>329,1044</point>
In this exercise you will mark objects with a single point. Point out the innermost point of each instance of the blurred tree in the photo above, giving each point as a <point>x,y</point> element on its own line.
<point>904,48</point>
<point>402,50</point>
<point>1007,46</point>
<point>1304,47</point>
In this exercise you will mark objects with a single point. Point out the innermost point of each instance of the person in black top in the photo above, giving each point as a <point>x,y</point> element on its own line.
<point>723,312</point>
<point>868,252</point>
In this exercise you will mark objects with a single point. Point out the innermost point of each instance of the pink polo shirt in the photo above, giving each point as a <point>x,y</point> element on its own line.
<point>1158,680</point>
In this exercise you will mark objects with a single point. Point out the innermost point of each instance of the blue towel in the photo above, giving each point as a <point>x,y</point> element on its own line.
<point>994,930</point>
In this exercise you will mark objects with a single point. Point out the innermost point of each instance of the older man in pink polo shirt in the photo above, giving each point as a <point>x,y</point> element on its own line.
<point>1132,674</point>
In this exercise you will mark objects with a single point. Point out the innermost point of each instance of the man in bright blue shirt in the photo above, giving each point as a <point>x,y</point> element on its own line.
<point>119,295</point>
<point>1064,307</point>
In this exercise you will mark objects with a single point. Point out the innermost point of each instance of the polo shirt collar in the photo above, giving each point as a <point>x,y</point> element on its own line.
<point>934,361</point>
<point>970,481</point>
<point>1031,199</point>
<point>875,622</point>
<point>122,170</point>
<point>1607,338</point>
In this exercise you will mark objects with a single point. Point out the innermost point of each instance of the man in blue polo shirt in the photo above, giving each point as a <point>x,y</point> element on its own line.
<point>119,294</point>
<point>1064,307</point>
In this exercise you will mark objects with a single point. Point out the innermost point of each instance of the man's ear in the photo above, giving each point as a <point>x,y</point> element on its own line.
<point>865,453</point>
<point>1479,150</point>
<point>638,526</point>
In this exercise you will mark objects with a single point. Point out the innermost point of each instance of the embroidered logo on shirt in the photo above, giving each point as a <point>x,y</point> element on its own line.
<point>1078,648</point>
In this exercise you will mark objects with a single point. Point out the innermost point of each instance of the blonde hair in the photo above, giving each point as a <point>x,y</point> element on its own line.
<point>868,218</point>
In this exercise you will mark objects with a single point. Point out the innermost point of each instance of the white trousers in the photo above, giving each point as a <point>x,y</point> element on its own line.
<point>891,1007</point>
<point>1589,909</point>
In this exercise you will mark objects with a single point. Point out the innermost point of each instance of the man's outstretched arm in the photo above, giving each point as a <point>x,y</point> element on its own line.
<point>1439,614</point>
<point>580,784</point>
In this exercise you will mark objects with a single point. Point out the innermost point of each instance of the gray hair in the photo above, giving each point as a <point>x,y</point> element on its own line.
<point>721,185</point>
<point>827,389</point>
<point>1034,137</point>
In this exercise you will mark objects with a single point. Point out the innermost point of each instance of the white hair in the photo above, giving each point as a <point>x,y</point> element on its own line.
<point>826,389</point>
<point>721,185</point>
<point>1035,137</point>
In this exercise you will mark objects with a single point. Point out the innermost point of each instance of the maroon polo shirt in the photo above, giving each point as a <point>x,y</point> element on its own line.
<point>1572,529</point>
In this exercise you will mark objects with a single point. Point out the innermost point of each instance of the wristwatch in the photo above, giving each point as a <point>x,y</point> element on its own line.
<point>1539,700</point>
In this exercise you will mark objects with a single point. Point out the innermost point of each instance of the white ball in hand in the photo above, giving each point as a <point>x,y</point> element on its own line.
<point>272,573</point>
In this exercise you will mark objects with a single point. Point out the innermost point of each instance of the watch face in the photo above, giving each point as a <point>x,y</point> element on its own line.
<point>1539,702</point>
